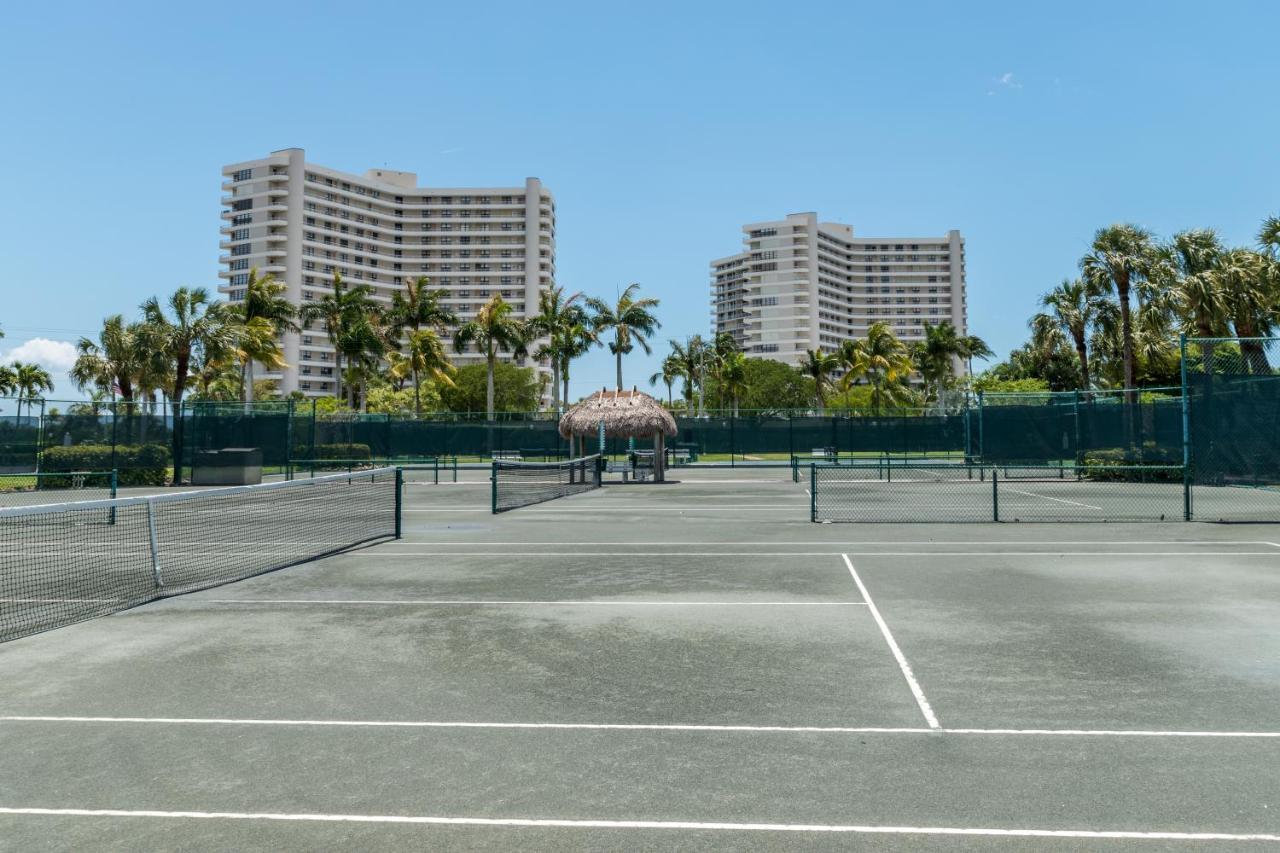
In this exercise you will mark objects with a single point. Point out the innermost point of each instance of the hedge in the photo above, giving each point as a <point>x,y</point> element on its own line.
<point>138,465</point>
<point>341,451</point>
<point>1110,464</point>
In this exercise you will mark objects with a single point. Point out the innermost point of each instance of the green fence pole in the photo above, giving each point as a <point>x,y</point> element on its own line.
<point>1186,432</point>
<point>1079,452</point>
<point>982,447</point>
<point>288,441</point>
<point>399,498</point>
<point>995,495</point>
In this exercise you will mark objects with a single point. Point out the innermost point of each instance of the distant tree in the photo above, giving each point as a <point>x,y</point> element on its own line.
<point>515,389</point>
<point>818,366</point>
<point>1118,260</point>
<point>494,328</point>
<point>771,386</point>
<point>667,375</point>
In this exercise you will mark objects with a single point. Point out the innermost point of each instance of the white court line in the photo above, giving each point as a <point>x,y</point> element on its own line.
<point>432,602</point>
<point>642,727</point>
<point>630,508</point>
<point>984,543</point>
<point>654,554</point>
<point>1047,498</point>
<point>860,829</point>
<point>916,691</point>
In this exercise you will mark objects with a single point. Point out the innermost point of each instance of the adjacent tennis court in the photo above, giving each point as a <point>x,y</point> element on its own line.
<point>693,665</point>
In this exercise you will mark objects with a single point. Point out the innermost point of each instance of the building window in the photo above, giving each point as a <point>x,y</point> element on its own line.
<point>242,175</point>
<point>241,278</point>
<point>240,264</point>
<point>242,204</point>
<point>242,234</point>
<point>242,249</point>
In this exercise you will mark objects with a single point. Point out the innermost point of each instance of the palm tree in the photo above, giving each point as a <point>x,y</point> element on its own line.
<point>733,376</point>
<point>886,363</point>
<point>493,329</point>
<point>555,320</point>
<point>575,341</point>
<point>1119,258</point>
<point>819,365</point>
<point>632,321</point>
<point>29,380</point>
<point>112,363</point>
<point>425,355</point>
<point>691,356</point>
<point>1252,294</point>
<point>8,380</point>
<point>1188,269</point>
<point>936,355</point>
<point>264,298</point>
<point>338,311</point>
<point>364,343</point>
<point>1269,236</point>
<point>722,350</point>
<point>410,311</point>
<point>1072,307</point>
<point>669,373</point>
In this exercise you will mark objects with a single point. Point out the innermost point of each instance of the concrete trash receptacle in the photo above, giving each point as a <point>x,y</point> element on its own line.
<point>230,466</point>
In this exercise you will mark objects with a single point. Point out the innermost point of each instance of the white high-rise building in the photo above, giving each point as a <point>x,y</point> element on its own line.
<point>302,223</point>
<point>802,284</point>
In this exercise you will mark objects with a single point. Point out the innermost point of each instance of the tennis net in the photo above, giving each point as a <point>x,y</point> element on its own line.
<point>60,487</point>
<point>64,563</point>
<point>517,484</point>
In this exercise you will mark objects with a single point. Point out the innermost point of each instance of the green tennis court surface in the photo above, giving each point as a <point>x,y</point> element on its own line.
<point>689,666</point>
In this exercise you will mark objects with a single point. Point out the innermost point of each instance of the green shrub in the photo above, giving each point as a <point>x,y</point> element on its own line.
<point>1110,464</point>
<point>139,465</point>
<point>342,451</point>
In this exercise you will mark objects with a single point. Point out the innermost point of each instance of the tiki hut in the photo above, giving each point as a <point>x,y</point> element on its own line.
<point>625,414</point>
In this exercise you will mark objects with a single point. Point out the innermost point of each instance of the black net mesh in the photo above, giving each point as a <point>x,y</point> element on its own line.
<point>64,563</point>
<point>517,484</point>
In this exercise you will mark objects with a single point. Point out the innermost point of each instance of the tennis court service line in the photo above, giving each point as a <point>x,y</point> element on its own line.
<point>1047,498</point>
<point>858,829</point>
<point>643,727</point>
<point>916,690</point>
<point>433,602</point>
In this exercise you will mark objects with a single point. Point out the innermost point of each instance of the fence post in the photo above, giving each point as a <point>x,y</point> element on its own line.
<point>733,441</point>
<point>39,433</point>
<point>288,441</point>
<point>115,418</point>
<point>1186,431</point>
<point>493,487</point>
<point>1079,452</point>
<point>982,447</point>
<point>791,434</point>
<point>311,447</point>
<point>995,495</point>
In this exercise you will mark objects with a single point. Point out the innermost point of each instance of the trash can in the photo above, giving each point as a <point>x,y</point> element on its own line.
<point>230,466</point>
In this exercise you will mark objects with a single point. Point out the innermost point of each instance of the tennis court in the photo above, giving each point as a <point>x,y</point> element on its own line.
<point>693,665</point>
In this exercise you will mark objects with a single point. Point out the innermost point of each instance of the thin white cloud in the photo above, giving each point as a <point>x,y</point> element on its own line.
<point>52,355</point>
<point>1008,81</point>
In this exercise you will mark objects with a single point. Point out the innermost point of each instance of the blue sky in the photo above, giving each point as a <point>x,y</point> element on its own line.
<point>659,127</point>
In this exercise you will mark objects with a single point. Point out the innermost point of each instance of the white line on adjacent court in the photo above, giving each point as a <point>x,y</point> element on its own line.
<point>985,542</point>
<point>1047,498</point>
<point>648,555</point>
<point>642,727</point>
<point>916,691</point>
<point>433,602</point>
<point>858,829</point>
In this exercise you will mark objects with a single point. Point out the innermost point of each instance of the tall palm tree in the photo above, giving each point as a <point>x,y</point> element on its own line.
<point>733,376</point>
<point>632,321</point>
<point>555,320</point>
<point>669,373</point>
<point>493,329</point>
<point>691,356</point>
<point>412,310</point>
<point>30,380</point>
<point>8,379</point>
<point>886,364</point>
<point>339,311</point>
<point>574,341</point>
<point>112,362</point>
<point>819,365</point>
<point>1072,307</point>
<point>935,356</point>
<point>1188,268</point>
<point>424,355</point>
<point>1269,236</point>
<point>1119,259</point>
<point>364,344</point>
<point>1252,297</point>
<point>264,298</point>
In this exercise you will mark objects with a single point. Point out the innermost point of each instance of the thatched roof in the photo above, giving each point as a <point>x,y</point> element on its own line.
<point>626,414</point>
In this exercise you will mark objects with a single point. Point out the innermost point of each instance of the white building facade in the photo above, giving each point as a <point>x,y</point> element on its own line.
<point>302,223</point>
<point>801,284</point>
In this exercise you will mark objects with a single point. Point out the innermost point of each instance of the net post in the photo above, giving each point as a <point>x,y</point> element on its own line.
<point>493,486</point>
<point>995,495</point>
<point>155,547</point>
<point>1186,431</point>
<point>813,492</point>
<point>114,481</point>
<point>399,498</point>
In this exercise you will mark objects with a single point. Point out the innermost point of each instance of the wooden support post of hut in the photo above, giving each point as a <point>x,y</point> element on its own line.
<point>625,414</point>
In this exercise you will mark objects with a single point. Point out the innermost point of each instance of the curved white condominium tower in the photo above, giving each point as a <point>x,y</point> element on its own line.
<point>302,223</point>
